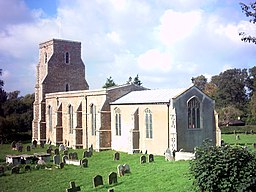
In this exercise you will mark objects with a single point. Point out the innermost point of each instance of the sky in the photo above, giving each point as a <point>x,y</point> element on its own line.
<point>165,42</point>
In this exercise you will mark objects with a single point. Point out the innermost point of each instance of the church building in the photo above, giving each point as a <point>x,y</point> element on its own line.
<point>127,118</point>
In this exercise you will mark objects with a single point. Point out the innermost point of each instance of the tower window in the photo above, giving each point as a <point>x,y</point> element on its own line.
<point>67,57</point>
<point>45,57</point>
<point>67,87</point>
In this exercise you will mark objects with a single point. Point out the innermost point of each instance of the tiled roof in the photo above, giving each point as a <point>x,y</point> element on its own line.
<point>149,96</point>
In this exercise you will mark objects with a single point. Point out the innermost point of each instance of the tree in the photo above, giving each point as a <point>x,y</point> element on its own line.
<point>109,83</point>
<point>129,80</point>
<point>228,113</point>
<point>224,168</point>
<point>136,80</point>
<point>200,82</point>
<point>250,11</point>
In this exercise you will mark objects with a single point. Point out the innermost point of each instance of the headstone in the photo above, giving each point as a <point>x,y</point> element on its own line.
<point>70,155</point>
<point>64,158</point>
<point>75,156</point>
<point>61,147</point>
<point>41,162</point>
<point>143,159</point>
<point>110,190</point>
<point>56,151</point>
<point>126,168</point>
<point>84,162</point>
<point>87,154</point>
<point>28,148</point>
<point>50,147</point>
<point>1,170</point>
<point>56,159</point>
<point>42,144</point>
<point>13,145</point>
<point>34,143</point>
<point>116,156</point>
<point>27,168</point>
<point>62,165</point>
<point>15,170</point>
<point>112,178</point>
<point>168,155</point>
<point>97,181</point>
<point>19,147</point>
<point>73,187</point>
<point>151,158</point>
<point>237,137</point>
<point>65,152</point>
<point>254,145</point>
<point>91,150</point>
<point>120,170</point>
<point>146,152</point>
<point>49,151</point>
<point>32,146</point>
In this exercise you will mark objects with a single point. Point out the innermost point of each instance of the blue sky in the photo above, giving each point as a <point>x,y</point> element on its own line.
<point>165,42</point>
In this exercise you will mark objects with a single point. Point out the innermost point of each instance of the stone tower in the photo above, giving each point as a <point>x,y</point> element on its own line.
<point>60,69</point>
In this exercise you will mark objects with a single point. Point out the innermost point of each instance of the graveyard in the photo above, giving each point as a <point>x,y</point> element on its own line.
<point>88,170</point>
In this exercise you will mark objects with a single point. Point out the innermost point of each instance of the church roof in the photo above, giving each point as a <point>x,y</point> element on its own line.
<point>149,96</point>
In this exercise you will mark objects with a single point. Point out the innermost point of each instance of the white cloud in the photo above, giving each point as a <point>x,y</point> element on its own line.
<point>114,37</point>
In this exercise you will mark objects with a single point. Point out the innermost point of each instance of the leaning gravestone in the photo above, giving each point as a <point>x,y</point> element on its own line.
<point>112,178</point>
<point>116,156</point>
<point>75,156</point>
<point>56,159</point>
<point>34,143</point>
<point>28,148</point>
<point>97,181</point>
<point>73,187</point>
<point>15,170</point>
<point>62,165</point>
<point>49,151</point>
<point>61,147</point>
<point>120,170</point>
<point>65,152</point>
<point>70,155</point>
<point>64,158</point>
<point>151,158</point>
<point>84,162</point>
<point>143,159</point>
<point>126,168</point>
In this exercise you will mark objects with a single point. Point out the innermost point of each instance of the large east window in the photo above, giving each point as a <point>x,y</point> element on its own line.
<point>193,113</point>
<point>118,121</point>
<point>148,123</point>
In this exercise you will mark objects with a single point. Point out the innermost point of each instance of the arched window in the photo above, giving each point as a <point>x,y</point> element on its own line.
<point>67,57</point>
<point>45,57</point>
<point>193,113</point>
<point>50,117</point>
<point>70,118</point>
<point>67,87</point>
<point>148,123</point>
<point>93,118</point>
<point>118,121</point>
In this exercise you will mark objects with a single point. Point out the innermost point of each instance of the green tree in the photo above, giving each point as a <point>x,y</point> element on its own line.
<point>224,168</point>
<point>129,81</point>
<point>136,80</point>
<point>109,83</point>
<point>200,82</point>
<point>250,12</point>
<point>228,113</point>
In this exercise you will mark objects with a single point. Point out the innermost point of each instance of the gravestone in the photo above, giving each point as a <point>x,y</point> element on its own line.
<point>56,152</point>
<point>15,170</point>
<point>70,155</point>
<point>56,159</point>
<point>61,147</point>
<point>49,151</point>
<point>27,168</point>
<point>87,154</point>
<point>41,162</point>
<point>1,170</point>
<point>84,162</point>
<point>151,158</point>
<point>19,147</point>
<point>50,147</point>
<point>97,181</point>
<point>34,143</point>
<point>28,148</point>
<point>143,159</point>
<point>32,146</point>
<point>42,144</point>
<point>112,178</point>
<point>116,156</point>
<point>126,168</point>
<point>73,187</point>
<point>64,158</point>
<point>65,152</point>
<point>62,165</point>
<point>111,190</point>
<point>168,155</point>
<point>237,137</point>
<point>13,145</point>
<point>254,145</point>
<point>120,170</point>
<point>75,156</point>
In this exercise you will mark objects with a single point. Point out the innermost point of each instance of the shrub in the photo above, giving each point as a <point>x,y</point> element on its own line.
<point>224,168</point>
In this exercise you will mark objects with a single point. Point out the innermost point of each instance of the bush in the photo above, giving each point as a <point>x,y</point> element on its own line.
<point>224,168</point>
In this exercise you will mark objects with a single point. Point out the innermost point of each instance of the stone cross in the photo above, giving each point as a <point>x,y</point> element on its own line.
<point>73,187</point>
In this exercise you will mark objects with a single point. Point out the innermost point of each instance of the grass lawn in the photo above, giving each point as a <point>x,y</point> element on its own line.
<point>157,176</point>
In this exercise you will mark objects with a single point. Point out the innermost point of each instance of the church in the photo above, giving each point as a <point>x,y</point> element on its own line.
<point>128,118</point>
